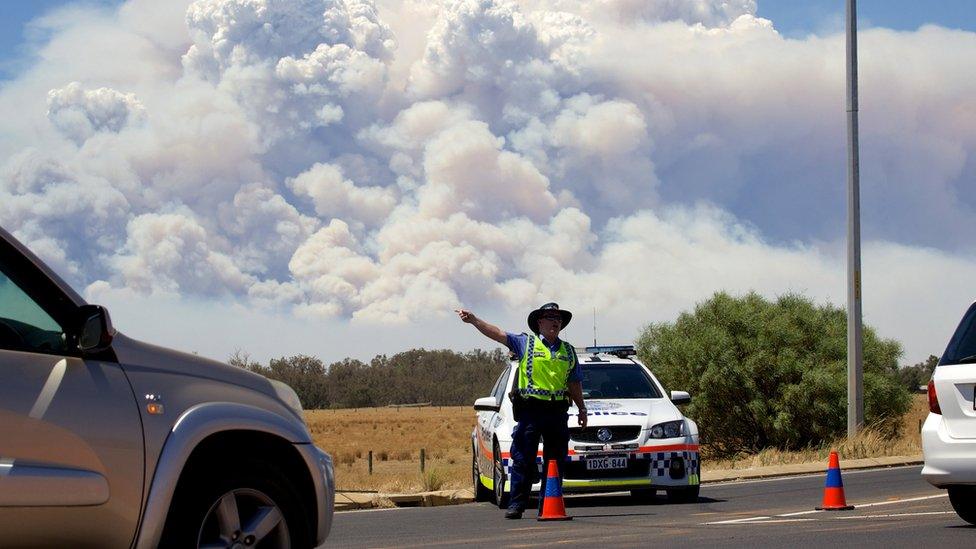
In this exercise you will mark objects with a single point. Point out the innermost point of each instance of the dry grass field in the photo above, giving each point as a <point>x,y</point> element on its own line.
<point>396,435</point>
<point>868,443</point>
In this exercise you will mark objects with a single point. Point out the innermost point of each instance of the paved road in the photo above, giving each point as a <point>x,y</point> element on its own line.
<point>895,508</point>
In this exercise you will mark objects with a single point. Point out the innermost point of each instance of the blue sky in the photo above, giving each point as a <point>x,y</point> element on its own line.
<point>791,17</point>
<point>15,34</point>
<point>794,17</point>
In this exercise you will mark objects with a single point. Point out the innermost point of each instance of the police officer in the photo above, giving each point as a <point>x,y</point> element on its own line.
<point>548,373</point>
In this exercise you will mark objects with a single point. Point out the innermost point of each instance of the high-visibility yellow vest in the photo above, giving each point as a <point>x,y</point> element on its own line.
<point>543,375</point>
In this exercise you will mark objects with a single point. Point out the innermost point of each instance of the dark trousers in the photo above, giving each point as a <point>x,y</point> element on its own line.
<point>550,424</point>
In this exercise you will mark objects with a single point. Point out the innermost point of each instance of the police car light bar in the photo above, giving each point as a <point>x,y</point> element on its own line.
<point>621,351</point>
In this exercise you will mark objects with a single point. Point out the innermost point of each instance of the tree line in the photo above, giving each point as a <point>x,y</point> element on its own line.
<point>762,373</point>
<point>773,373</point>
<point>441,377</point>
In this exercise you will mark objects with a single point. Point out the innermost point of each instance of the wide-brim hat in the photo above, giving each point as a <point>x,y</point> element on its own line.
<point>547,308</point>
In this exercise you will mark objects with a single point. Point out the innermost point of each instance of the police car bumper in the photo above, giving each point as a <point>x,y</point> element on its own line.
<point>649,467</point>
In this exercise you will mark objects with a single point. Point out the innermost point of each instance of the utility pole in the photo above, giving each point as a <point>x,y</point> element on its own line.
<point>855,362</point>
<point>594,326</point>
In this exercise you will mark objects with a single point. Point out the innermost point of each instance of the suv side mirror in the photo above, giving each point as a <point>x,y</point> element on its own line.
<point>680,397</point>
<point>95,329</point>
<point>486,404</point>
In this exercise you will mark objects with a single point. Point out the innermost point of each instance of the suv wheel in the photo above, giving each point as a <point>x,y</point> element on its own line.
<point>963,500</point>
<point>480,492</point>
<point>248,504</point>
<point>644,495</point>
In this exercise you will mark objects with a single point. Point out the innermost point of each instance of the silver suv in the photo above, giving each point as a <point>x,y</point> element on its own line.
<point>110,442</point>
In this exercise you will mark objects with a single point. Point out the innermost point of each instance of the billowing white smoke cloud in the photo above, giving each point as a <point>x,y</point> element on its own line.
<point>385,163</point>
<point>337,197</point>
<point>706,12</point>
<point>171,252</point>
<point>80,113</point>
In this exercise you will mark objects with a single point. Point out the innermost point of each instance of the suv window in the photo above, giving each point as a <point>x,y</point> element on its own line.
<point>617,381</point>
<point>24,325</point>
<point>962,346</point>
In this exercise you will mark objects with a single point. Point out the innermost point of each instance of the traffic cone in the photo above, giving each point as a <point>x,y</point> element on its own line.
<point>833,499</point>
<point>552,502</point>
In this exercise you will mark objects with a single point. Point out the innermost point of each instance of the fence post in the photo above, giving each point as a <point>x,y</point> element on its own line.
<point>370,459</point>
<point>423,459</point>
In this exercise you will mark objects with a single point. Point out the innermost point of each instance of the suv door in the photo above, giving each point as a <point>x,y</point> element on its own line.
<point>71,447</point>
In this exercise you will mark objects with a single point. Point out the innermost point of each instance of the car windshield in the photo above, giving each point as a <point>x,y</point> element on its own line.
<point>962,346</point>
<point>617,381</point>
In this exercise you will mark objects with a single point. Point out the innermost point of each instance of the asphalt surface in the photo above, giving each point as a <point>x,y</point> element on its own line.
<point>894,508</point>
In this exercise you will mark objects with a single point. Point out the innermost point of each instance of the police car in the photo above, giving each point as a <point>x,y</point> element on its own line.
<point>636,439</point>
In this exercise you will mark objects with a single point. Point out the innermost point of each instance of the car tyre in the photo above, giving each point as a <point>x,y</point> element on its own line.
<point>498,479</point>
<point>251,503</point>
<point>963,500</point>
<point>481,493</point>
<point>684,495</point>
<point>644,495</point>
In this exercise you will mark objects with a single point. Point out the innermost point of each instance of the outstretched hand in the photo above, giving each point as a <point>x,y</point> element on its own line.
<point>489,330</point>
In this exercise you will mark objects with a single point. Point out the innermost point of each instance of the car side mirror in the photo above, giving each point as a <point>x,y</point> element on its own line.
<point>680,397</point>
<point>486,404</point>
<point>95,329</point>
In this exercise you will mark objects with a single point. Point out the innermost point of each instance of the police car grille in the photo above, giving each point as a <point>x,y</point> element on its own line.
<point>617,434</point>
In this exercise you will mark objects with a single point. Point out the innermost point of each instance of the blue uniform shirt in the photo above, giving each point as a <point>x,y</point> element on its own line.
<point>517,343</point>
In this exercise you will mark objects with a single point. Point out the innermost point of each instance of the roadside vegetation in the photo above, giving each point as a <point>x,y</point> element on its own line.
<point>437,377</point>
<point>772,374</point>
<point>396,436</point>
<point>767,377</point>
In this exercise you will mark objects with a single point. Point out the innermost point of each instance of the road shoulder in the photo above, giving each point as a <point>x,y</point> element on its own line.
<point>347,501</point>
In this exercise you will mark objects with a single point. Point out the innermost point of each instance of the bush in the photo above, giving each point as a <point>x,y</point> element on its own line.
<point>433,479</point>
<point>771,374</point>
<point>918,374</point>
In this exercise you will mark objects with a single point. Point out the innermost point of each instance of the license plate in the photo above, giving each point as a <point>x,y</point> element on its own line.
<point>609,462</point>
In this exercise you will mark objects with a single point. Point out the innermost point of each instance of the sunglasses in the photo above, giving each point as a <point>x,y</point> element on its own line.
<point>551,317</point>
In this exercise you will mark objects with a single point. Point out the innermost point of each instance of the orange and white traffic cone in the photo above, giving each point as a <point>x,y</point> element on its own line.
<point>833,499</point>
<point>553,507</point>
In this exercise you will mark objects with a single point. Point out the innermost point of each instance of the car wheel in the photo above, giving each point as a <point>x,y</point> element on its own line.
<point>963,500</point>
<point>684,495</point>
<point>644,494</point>
<point>249,504</point>
<point>498,479</point>
<point>480,492</point>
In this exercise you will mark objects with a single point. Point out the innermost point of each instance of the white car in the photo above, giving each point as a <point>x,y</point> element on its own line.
<point>636,438</point>
<point>949,432</point>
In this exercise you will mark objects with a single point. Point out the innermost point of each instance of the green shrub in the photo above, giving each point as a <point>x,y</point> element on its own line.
<point>771,374</point>
<point>919,374</point>
<point>433,479</point>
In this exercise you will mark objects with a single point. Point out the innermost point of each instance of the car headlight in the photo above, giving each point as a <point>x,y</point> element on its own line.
<point>289,397</point>
<point>668,429</point>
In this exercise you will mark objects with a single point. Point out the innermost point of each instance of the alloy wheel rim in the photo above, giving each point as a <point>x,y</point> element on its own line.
<point>241,519</point>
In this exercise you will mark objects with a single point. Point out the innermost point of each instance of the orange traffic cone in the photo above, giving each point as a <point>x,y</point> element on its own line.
<point>833,499</point>
<point>552,503</point>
